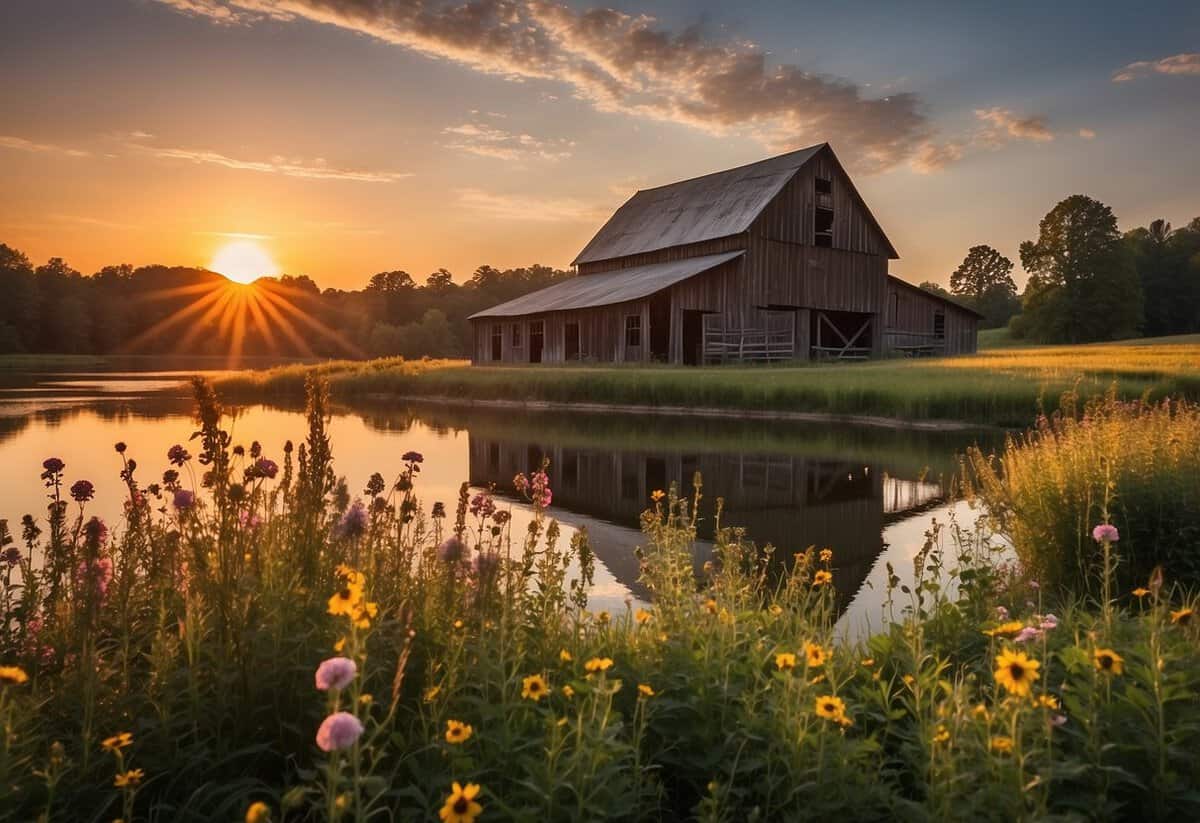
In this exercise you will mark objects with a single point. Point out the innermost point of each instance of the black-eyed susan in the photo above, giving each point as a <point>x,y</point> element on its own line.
<point>461,805</point>
<point>775,610</point>
<point>941,734</point>
<point>710,606</point>
<point>1007,629</point>
<point>1182,617</point>
<point>458,732</point>
<point>645,690</point>
<point>258,812</point>
<point>1016,672</point>
<point>1108,661</point>
<point>116,742</point>
<point>657,495</point>
<point>785,661</point>
<point>345,600</point>
<point>363,613</point>
<point>832,708</point>
<point>815,655</point>
<point>603,618</point>
<point>564,656</point>
<point>597,665</point>
<point>534,687</point>
<point>980,712</point>
<point>568,692</point>
<point>12,676</point>
<point>826,555</point>
<point>1001,744</point>
<point>129,779</point>
<point>822,578</point>
<point>642,616</point>
<point>431,693</point>
<point>1046,701</point>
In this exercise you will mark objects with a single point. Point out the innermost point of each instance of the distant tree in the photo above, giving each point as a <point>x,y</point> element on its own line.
<point>1082,284</point>
<point>440,281</point>
<point>934,288</point>
<point>982,270</point>
<point>391,282</point>
<point>1166,263</point>
<point>486,277</point>
<point>19,308</point>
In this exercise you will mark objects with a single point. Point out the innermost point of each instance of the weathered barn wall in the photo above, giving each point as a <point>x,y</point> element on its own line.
<point>910,318</point>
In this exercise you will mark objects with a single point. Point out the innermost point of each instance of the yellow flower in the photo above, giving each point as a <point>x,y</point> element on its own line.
<point>341,644</point>
<point>534,687</point>
<point>458,625</point>
<point>1140,591</point>
<point>815,655</point>
<point>12,676</point>
<point>128,779</point>
<point>562,721</point>
<point>461,806</point>
<point>458,732</point>
<point>645,691</point>
<point>568,692</point>
<point>868,662</point>
<point>598,664</point>
<point>776,609</point>
<point>565,656</point>
<point>259,812</point>
<point>941,735</point>
<point>1182,617</point>
<point>1016,671</point>
<point>345,600</point>
<point>657,494</point>
<point>1108,661</point>
<point>431,693</point>
<point>832,708</point>
<point>1046,701</point>
<point>725,617</point>
<point>785,661</point>
<point>117,741</point>
<point>603,618</point>
<point>364,613</point>
<point>642,616</point>
<point>366,699</point>
<point>1005,629</point>
<point>822,578</point>
<point>980,712</point>
<point>909,680</point>
<point>1002,744</point>
<point>826,555</point>
<point>710,606</point>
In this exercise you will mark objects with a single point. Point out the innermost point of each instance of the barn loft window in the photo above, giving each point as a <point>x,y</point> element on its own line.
<point>497,341</point>
<point>823,213</point>
<point>516,335</point>
<point>633,330</point>
<point>939,325</point>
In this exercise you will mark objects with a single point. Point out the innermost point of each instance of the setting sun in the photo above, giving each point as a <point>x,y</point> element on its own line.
<point>243,261</point>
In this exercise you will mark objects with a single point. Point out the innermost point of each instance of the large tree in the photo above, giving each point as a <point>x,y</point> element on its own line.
<point>1168,266</point>
<point>1082,282</point>
<point>984,280</point>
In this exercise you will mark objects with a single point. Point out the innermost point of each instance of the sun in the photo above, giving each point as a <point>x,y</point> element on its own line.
<point>243,261</point>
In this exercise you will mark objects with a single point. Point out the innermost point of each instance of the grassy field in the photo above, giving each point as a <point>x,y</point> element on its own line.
<point>1004,386</point>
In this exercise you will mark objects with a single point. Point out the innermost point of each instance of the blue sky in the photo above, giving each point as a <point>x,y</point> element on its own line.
<point>352,136</point>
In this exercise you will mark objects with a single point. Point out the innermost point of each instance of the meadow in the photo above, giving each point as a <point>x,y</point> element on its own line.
<point>256,641</point>
<point>1003,387</point>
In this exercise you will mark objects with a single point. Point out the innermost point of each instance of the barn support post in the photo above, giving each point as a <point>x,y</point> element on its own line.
<point>803,334</point>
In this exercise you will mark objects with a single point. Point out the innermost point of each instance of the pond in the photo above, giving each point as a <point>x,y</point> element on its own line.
<point>868,493</point>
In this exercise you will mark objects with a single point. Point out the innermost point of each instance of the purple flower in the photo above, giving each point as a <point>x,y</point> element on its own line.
<point>413,457</point>
<point>1049,623</point>
<point>96,531</point>
<point>484,564</point>
<point>339,731</point>
<point>265,467</point>
<point>11,556</point>
<point>178,455</point>
<point>353,523</point>
<point>52,465</point>
<point>335,673</point>
<point>96,575</point>
<point>249,520</point>
<point>1026,634</point>
<point>451,550</point>
<point>82,491</point>
<point>120,447</point>
<point>184,499</point>
<point>1106,531</point>
<point>482,505</point>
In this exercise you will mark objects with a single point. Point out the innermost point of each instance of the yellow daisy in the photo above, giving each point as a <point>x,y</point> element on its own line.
<point>458,732</point>
<point>1182,617</point>
<point>645,690</point>
<point>642,616</point>
<point>1001,744</point>
<point>568,692</point>
<point>534,687</point>
<point>1005,629</point>
<point>1140,591</point>
<point>815,654</point>
<point>832,708</point>
<point>117,741</point>
<point>822,578</point>
<point>12,676</point>
<point>598,664</point>
<point>1016,672</point>
<point>565,656</point>
<point>1108,661</point>
<point>785,661</point>
<point>461,806</point>
<point>826,555</point>
<point>941,734</point>
<point>657,495</point>
<point>128,779</point>
<point>258,812</point>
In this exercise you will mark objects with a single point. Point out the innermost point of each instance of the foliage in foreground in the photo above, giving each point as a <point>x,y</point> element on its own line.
<point>255,643</point>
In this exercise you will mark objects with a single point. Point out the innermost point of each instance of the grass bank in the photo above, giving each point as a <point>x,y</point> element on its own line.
<point>994,387</point>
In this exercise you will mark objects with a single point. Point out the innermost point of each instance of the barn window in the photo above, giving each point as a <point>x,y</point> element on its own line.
<point>939,325</point>
<point>516,335</point>
<point>633,330</point>
<point>823,212</point>
<point>571,341</point>
<point>497,341</point>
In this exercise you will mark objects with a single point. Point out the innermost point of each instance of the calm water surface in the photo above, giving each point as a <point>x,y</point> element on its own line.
<point>868,493</point>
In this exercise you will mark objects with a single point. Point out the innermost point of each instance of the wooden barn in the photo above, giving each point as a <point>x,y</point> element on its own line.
<point>777,260</point>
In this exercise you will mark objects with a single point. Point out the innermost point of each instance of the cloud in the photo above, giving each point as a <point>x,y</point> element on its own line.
<point>626,63</point>
<point>1087,134</point>
<point>1001,126</point>
<point>1188,63</point>
<point>288,167</point>
<point>21,144</point>
<point>526,208</point>
<point>488,141</point>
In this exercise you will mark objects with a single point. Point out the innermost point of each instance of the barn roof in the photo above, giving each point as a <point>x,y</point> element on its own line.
<point>608,288</point>
<point>932,295</point>
<point>690,211</point>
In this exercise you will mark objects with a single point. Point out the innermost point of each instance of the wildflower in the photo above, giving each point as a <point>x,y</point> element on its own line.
<point>710,606</point>
<point>568,692</point>
<point>439,510</point>
<point>1049,623</point>
<point>1106,531</point>
<point>11,556</point>
<point>264,467</point>
<point>451,550</point>
<point>1058,719</point>
<point>534,687</point>
<point>12,676</point>
<point>364,613</point>
<point>431,693</point>
<point>598,664</point>
<point>815,654</point>
<point>1026,634</point>
<point>338,731</point>
<point>826,555</point>
<point>1108,661</point>
<point>980,712</point>
<point>366,699</point>
<point>183,500</point>
<point>484,564</point>
<point>458,732</point>
<point>120,447</point>
<point>482,505</point>
<point>657,495</point>
<point>1046,701</point>
<point>1001,613</point>
<point>353,523</point>
<point>941,734</point>
<point>336,673</point>
<point>1182,617</point>
<point>117,742</point>
<point>346,599</point>
<point>459,625</point>
<point>129,779</point>
<point>868,662</point>
<point>642,616</point>
<point>82,491</point>
<point>412,457</point>
<point>822,578</point>
<point>178,455</point>
<point>645,690</point>
<point>53,466</point>
<point>1140,591</point>
<point>1001,744</point>
<point>1016,672</point>
<point>832,708</point>
<point>775,610</point>
<point>785,661</point>
<point>258,812</point>
<point>1005,629</point>
<point>461,806</point>
<point>520,483</point>
<point>603,618</point>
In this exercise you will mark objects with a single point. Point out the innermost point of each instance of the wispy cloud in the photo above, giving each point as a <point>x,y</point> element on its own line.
<point>1187,63</point>
<point>316,169</point>
<point>1002,126</point>
<point>486,140</point>
<point>1087,134</point>
<point>626,63</point>
<point>21,144</point>
<point>525,208</point>
<point>99,222</point>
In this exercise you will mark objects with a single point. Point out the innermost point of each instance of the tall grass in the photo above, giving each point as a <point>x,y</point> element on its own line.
<point>253,642</point>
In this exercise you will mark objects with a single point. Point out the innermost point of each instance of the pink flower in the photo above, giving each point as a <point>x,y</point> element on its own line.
<point>1106,531</point>
<point>1058,720</point>
<point>336,673</point>
<point>339,731</point>
<point>1001,613</point>
<point>1026,634</point>
<point>1049,622</point>
<point>520,483</point>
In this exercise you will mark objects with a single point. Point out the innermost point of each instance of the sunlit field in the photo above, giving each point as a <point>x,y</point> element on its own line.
<point>255,641</point>
<point>1001,387</point>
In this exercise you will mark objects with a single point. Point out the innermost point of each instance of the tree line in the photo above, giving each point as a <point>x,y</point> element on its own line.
<point>1087,280</point>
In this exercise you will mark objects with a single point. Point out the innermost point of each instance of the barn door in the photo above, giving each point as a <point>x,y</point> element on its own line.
<point>537,339</point>
<point>660,327</point>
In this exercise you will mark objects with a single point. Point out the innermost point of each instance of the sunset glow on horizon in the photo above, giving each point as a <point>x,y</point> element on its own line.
<point>243,261</point>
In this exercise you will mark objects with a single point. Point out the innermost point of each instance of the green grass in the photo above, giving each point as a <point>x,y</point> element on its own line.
<point>1004,387</point>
